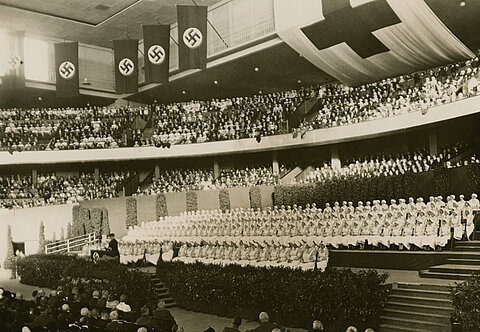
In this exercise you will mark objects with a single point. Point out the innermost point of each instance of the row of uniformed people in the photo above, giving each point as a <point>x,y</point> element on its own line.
<point>413,223</point>
<point>298,254</point>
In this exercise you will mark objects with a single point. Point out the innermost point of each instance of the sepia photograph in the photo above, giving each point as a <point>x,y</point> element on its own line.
<point>239,165</point>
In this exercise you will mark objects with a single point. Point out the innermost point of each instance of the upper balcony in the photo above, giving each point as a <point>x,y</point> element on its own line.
<point>365,130</point>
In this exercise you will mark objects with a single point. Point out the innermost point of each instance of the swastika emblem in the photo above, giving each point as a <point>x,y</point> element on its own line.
<point>126,66</point>
<point>156,54</point>
<point>13,61</point>
<point>192,37</point>
<point>66,70</point>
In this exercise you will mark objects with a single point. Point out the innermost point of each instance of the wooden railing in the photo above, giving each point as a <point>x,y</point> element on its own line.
<point>74,244</point>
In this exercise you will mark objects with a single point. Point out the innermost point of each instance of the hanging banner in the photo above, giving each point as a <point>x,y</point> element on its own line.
<point>192,37</point>
<point>126,65</point>
<point>156,45</point>
<point>361,41</point>
<point>66,64</point>
<point>13,69</point>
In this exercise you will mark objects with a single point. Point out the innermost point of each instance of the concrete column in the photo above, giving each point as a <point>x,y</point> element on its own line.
<point>157,171</point>
<point>276,168</point>
<point>97,173</point>
<point>216,168</point>
<point>34,176</point>
<point>335,160</point>
<point>433,143</point>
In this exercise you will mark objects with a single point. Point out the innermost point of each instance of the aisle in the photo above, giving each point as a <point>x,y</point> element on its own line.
<point>15,286</point>
<point>198,322</point>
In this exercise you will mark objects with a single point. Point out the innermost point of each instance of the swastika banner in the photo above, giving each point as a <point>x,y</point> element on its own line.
<point>12,72</point>
<point>126,65</point>
<point>66,65</point>
<point>156,45</point>
<point>361,41</point>
<point>192,36</point>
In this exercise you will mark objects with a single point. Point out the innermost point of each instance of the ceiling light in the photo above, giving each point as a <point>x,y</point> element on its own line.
<point>215,82</point>
<point>256,69</point>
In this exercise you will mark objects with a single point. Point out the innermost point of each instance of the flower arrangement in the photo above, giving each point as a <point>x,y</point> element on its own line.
<point>255,198</point>
<point>292,297</point>
<point>9,263</point>
<point>105,222</point>
<point>161,206</point>
<point>192,202</point>
<point>41,239</point>
<point>466,302</point>
<point>54,270</point>
<point>131,206</point>
<point>224,200</point>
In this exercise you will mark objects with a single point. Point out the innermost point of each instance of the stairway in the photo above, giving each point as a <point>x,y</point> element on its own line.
<point>416,308</point>
<point>465,262</point>
<point>163,292</point>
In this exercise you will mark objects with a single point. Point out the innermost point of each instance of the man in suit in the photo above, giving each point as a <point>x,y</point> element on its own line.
<point>112,249</point>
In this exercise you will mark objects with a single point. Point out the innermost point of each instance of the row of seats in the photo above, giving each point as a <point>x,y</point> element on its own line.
<point>178,180</point>
<point>50,189</point>
<point>238,117</point>
<point>407,225</point>
<point>262,253</point>
<point>388,165</point>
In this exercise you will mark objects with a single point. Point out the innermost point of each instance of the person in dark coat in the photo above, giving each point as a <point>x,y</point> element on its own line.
<point>163,318</point>
<point>112,249</point>
<point>237,321</point>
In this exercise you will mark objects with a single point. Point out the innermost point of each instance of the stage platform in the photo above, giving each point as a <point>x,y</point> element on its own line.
<point>395,260</point>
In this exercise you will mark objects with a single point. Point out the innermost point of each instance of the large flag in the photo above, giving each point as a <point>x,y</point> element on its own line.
<point>66,65</point>
<point>13,69</point>
<point>192,36</point>
<point>156,44</point>
<point>359,41</point>
<point>126,65</point>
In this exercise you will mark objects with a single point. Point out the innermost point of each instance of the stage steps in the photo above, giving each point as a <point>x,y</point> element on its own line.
<point>160,288</point>
<point>460,267</point>
<point>417,307</point>
<point>162,292</point>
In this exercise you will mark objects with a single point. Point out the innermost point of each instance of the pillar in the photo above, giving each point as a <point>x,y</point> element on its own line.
<point>157,171</point>
<point>34,176</point>
<point>335,160</point>
<point>216,168</point>
<point>433,143</point>
<point>276,169</point>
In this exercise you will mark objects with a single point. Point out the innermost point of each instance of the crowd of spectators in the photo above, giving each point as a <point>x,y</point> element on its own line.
<point>20,191</point>
<point>388,165</point>
<point>237,117</point>
<point>65,128</point>
<point>71,307</point>
<point>342,105</point>
<point>178,180</point>
<point>226,119</point>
